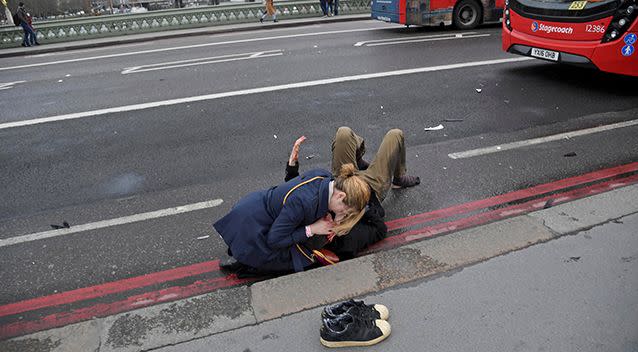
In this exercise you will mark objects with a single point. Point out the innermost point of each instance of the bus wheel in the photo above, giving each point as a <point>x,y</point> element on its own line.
<point>467,14</point>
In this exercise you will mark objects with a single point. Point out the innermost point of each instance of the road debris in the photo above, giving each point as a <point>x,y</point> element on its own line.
<point>310,156</point>
<point>274,135</point>
<point>435,128</point>
<point>569,155</point>
<point>478,90</point>
<point>203,237</point>
<point>453,120</point>
<point>65,225</point>
<point>571,259</point>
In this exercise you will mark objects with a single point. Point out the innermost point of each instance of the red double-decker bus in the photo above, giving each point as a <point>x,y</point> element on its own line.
<point>599,34</point>
<point>464,14</point>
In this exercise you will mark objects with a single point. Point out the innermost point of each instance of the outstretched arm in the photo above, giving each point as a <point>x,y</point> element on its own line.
<point>292,168</point>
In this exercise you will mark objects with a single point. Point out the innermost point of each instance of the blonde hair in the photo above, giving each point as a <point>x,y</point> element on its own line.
<point>357,196</point>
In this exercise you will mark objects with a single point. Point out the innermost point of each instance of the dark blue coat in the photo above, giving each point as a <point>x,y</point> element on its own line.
<point>263,232</point>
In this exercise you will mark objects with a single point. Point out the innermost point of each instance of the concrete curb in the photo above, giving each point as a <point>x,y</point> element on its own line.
<point>223,310</point>
<point>137,38</point>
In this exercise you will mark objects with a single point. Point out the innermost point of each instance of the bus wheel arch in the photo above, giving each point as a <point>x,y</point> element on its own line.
<point>467,14</point>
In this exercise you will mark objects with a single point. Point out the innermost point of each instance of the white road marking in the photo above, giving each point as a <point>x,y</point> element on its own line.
<point>112,222</point>
<point>201,61</point>
<point>187,47</point>
<point>9,85</point>
<point>429,40</point>
<point>320,82</point>
<point>534,141</point>
<point>392,40</point>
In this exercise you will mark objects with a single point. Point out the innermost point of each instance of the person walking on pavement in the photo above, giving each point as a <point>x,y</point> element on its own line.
<point>270,10</point>
<point>33,40</point>
<point>24,22</point>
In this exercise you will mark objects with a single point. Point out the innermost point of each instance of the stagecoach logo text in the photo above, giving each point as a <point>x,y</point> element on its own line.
<point>551,29</point>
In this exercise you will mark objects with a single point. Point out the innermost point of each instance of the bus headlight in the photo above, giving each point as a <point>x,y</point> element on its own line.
<point>508,23</point>
<point>625,15</point>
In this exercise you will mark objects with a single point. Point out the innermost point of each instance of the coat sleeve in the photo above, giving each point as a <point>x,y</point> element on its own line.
<point>291,171</point>
<point>288,227</point>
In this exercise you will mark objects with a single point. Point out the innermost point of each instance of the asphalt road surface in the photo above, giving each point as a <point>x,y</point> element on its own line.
<point>115,132</point>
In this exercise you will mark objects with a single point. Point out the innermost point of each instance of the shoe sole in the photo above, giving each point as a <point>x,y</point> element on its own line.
<point>385,330</point>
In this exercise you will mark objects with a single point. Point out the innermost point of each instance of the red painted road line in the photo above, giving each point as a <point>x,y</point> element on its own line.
<point>131,303</point>
<point>512,196</point>
<point>206,286</point>
<point>212,266</point>
<point>109,288</point>
<point>498,214</point>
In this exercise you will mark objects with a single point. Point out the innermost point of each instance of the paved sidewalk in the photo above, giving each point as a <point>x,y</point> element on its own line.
<point>575,294</point>
<point>136,38</point>
<point>580,284</point>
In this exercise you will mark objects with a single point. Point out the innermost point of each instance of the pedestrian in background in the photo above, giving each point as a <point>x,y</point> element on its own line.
<point>33,39</point>
<point>335,7</point>
<point>26,27</point>
<point>270,10</point>
<point>324,7</point>
<point>329,4</point>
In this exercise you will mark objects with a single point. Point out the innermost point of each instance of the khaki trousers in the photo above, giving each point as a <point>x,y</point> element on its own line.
<point>389,162</point>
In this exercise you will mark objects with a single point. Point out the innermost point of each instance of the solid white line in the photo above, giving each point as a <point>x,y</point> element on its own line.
<point>418,37</point>
<point>213,96</point>
<point>112,222</point>
<point>533,141</point>
<point>428,40</point>
<point>201,61</point>
<point>188,47</point>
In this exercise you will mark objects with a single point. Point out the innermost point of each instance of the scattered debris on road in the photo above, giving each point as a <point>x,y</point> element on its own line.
<point>453,120</point>
<point>478,90</point>
<point>572,259</point>
<point>203,237</point>
<point>65,225</point>
<point>569,155</point>
<point>310,156</point>
<point>435,128</point>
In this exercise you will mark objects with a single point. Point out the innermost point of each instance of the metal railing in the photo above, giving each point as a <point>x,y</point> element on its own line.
<point>126,24</point>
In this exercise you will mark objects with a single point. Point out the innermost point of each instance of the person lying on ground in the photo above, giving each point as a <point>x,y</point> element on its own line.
<point>388,164</point>
<point>274,231</point>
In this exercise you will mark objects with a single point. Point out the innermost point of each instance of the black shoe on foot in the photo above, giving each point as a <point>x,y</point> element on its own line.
<point>356,308</point>
<point>275,20</point>
<point>362,164</point>
<point>261,19</point>
<point>405,181</point>
<point>348,331</point>
<point>231,265</point>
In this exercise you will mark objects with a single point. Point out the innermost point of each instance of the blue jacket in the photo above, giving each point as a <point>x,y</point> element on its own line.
<point>262,231</point>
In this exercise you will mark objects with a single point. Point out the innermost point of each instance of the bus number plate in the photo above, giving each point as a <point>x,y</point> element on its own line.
<point>545,54</point>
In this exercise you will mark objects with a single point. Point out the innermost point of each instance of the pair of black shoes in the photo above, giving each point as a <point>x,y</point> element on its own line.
<point>354,323</point>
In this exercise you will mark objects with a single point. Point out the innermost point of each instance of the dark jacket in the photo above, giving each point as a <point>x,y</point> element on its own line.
<point>370,229</point>
<point>261,231</point>
<point>22,15</point>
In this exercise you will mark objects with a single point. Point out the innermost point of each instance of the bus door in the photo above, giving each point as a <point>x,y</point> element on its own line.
<point>415,10</point>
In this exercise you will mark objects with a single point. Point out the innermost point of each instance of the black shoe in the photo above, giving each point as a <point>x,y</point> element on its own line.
<point>36,43</point>
<point>25,45</point>
<point>405,181</point>
<point>362,164</point>
<point>261,19</point>
<point>275,20</point>
<point>356,308</point>
<point>348,331</point>
<point>230,265</point>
